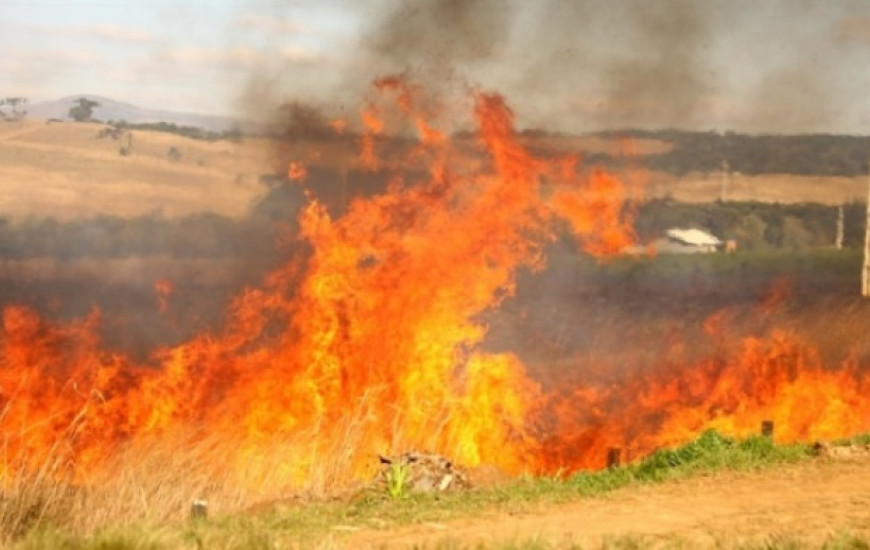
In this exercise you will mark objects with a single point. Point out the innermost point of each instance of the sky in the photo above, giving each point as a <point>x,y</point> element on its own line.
<point>774,66</point>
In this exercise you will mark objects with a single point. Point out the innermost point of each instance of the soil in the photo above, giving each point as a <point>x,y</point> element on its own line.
<point>811,502</point>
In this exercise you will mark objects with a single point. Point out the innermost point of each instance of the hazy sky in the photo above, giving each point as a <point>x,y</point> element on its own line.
<point>754,65</point>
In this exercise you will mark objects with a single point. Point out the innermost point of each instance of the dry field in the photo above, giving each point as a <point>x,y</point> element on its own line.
<point>781,188</point>
<point>63,170</point>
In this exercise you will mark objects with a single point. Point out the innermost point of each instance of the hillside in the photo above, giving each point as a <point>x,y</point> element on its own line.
<point>109,109</point>
<point>64,170</point>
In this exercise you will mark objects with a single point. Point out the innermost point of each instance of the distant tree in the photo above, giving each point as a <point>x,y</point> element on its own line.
<point>83,110</point>
<point>12,108</point>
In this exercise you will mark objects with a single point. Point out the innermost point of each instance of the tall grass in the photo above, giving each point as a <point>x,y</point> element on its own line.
<point>146,504</point>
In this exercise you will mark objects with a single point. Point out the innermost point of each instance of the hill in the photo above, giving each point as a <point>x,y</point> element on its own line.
<point>109,109</point>
<point>66,171</point>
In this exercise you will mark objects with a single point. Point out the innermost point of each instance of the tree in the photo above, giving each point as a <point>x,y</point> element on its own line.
<point>15,105</point>
<point>83,109</point>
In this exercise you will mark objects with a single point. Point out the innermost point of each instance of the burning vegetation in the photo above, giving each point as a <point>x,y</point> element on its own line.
<point>370,341</point>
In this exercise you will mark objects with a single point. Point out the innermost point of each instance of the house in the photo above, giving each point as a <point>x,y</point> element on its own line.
<point>687,241</point>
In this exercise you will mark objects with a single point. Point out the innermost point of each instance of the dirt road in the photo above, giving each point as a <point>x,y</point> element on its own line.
<point>811,502</point>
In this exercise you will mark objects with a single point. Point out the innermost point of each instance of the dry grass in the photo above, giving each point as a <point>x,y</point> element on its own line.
<point>153,480</point>
<point>782,188</point>
<point>80,176</point>
<point>133,272</point>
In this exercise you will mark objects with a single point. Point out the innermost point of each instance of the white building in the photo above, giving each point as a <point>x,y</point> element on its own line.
<point>688,241</point>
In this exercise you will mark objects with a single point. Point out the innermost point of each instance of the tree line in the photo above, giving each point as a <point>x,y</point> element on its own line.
<point>753,225</point>
<point>810,154</point>
<point>756,225</point>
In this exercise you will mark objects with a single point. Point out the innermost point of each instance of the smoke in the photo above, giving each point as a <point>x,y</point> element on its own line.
<point>613,64</point>
<point>434,40</point>
<point>588,65</point>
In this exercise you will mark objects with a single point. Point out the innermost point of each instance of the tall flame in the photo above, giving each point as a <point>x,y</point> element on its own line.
<point>370,340</point>
<point>368,344</point>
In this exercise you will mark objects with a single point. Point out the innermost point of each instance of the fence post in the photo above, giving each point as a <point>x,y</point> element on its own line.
<point>614,456</point>
<point>198,509</point>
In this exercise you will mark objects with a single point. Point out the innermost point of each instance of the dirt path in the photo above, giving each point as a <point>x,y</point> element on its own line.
<point>812,502</point>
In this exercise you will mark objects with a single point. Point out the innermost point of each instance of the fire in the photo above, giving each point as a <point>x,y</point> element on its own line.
<point>774,376</point>
<point>370,340</point>
<point>297,171</point>
<point>163,288</point>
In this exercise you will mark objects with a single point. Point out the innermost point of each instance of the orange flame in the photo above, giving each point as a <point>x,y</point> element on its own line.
<point>297,171</point>
<point>370,342</point>
<point>338,125</point>
<point>163,288</point>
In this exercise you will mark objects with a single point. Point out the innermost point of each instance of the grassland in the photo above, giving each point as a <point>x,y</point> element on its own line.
<point>63,170</point>
<point>368,518</point>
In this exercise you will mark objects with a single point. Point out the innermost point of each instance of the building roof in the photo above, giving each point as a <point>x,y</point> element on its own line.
<point>694,237</point>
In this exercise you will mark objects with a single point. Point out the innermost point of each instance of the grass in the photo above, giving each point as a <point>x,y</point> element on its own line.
<point>79,175</point>
<point>314,524</point>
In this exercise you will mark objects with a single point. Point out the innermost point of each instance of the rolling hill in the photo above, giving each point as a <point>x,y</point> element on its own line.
<point>110,109</point>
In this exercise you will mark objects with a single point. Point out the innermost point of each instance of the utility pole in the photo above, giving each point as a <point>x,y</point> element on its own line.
<point>726,168</point>
<point>865,271</point>
<point>838,239</point>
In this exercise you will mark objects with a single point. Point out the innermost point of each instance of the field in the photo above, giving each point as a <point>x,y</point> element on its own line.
<point>80,175</point>
<point>713,492</point>
<point>636,353</point>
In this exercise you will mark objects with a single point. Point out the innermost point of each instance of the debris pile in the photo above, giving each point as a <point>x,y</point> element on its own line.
<point>418,472</point>
<point>825,449</point>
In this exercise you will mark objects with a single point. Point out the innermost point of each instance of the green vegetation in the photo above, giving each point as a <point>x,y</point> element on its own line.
<point>758,228</point>
<point>83,110</point>
<point>756,225</point>
<point>13,108</point>
<point>206,235</point>
<point>192,132</point>
<point>397,479</point>
<point>812,154</point>
<point>306,524</point>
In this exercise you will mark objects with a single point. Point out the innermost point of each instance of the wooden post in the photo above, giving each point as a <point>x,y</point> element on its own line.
<point>198,509</point>
<point>767,428</point>
<point>614,455</point>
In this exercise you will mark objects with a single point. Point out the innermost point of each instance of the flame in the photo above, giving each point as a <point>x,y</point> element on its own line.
<point>369,341</point>
<point>774,376</point>
<point>163,288</point>
<point>338,125</point>
<point>297,171</point>
<point>367,345</point>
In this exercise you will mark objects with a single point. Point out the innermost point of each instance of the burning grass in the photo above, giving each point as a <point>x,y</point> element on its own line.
<point>370,341</point>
